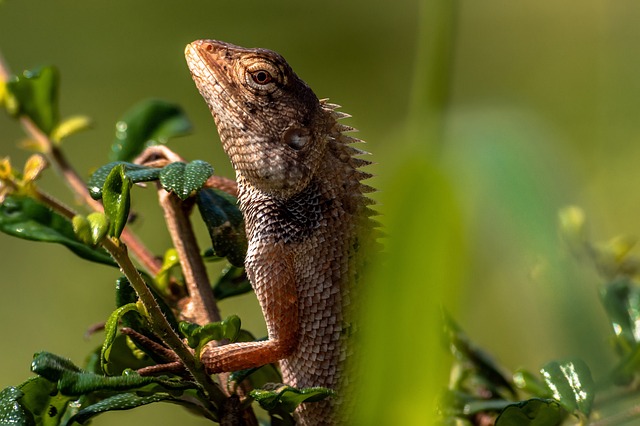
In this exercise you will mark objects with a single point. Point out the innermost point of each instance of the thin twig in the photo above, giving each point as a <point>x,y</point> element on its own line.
<point>158,321</point>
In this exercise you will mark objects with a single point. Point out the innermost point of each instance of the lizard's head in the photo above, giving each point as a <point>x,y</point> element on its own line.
<point>270,122</point>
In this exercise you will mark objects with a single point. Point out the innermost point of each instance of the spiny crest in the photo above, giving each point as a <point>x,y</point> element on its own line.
<point>357,163</point>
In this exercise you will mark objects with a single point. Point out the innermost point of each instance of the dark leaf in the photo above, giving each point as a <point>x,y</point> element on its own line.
<point>534,412</point>
<point>150,122</point>
<point>571,384</point>
<point>116,200</point>
<point>72,380</point>
<point>24,217</point>
<point>37,94</point>
<point>621,300</point>
<point>483,367</point>
<point>11,411</point>
<point>121,401</point>
<point>287,398</point>
<point>47,405</point>
<point>225,224</point>
<point>184,179</point>
<point>232,282</point>
<point>134,172</point>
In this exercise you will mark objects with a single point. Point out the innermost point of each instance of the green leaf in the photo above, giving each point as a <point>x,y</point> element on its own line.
<point>110,331</point>
<point>288,398</point>
<point>134,172</point>
<point>70,126</point>
<point>534,412</point>
<point>621,300</point>
<point>184,179</point>
<point>24,217</point>
<point>232,282</point>
<point>198,336</point>
<point>479,363</point>
<point>531,383</point>
<point>571,384</point>
<point>72,380</point>
<point>225,224</point>
<point>116,200</point>
<point>48,406</point>
<point>150,122</point>
<point>11,411</point>
<point>121,401</point>
<point>37,94</point>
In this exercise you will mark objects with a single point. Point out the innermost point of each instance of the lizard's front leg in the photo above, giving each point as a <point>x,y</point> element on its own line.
<point>270,268</point>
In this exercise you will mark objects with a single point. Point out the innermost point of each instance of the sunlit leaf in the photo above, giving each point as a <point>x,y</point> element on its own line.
<point>225,224</point>
<point>33,168</point>
<point>116,200</point>
<point>148,123</point>
<point>24,217</point>
<point>70,126</point>
<point>288,398</point>
<point>36,93</point>
<point>570,384</point>
<point>184,179</point>
<point>534,412</point>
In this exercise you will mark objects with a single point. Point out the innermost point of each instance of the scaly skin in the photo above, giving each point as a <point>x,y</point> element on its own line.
<point>306,216</point>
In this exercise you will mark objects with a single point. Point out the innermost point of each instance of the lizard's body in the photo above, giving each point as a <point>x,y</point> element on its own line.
<point>305,212</point>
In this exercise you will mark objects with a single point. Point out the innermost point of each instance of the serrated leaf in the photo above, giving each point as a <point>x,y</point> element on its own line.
<point>25,218</point>
<point>148,123</point>
<point>198,336</point>
<point>116,200</point>
<point>72,380</point>
<point>70,126</point>
<point>121,401</point>
<point>534,412</point>
<point>36,93</point>
<point>11,411</point>
<point>184,179</point>
<point>134,172</point>
<point>225,224</point>
<point>233,281</point>
<point>288,398</point>
<point>571,384</point>
<point>110,331</point>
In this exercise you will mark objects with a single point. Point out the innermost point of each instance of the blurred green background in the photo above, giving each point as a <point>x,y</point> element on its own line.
<point>541,112</point>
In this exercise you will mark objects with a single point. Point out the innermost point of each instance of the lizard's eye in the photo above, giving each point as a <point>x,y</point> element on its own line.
<point>261,76</point>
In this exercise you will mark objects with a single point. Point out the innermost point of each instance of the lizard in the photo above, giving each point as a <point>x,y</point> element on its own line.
<point>306,212</point>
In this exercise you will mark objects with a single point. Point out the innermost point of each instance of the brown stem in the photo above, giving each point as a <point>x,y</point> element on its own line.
<point>201,307</point>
